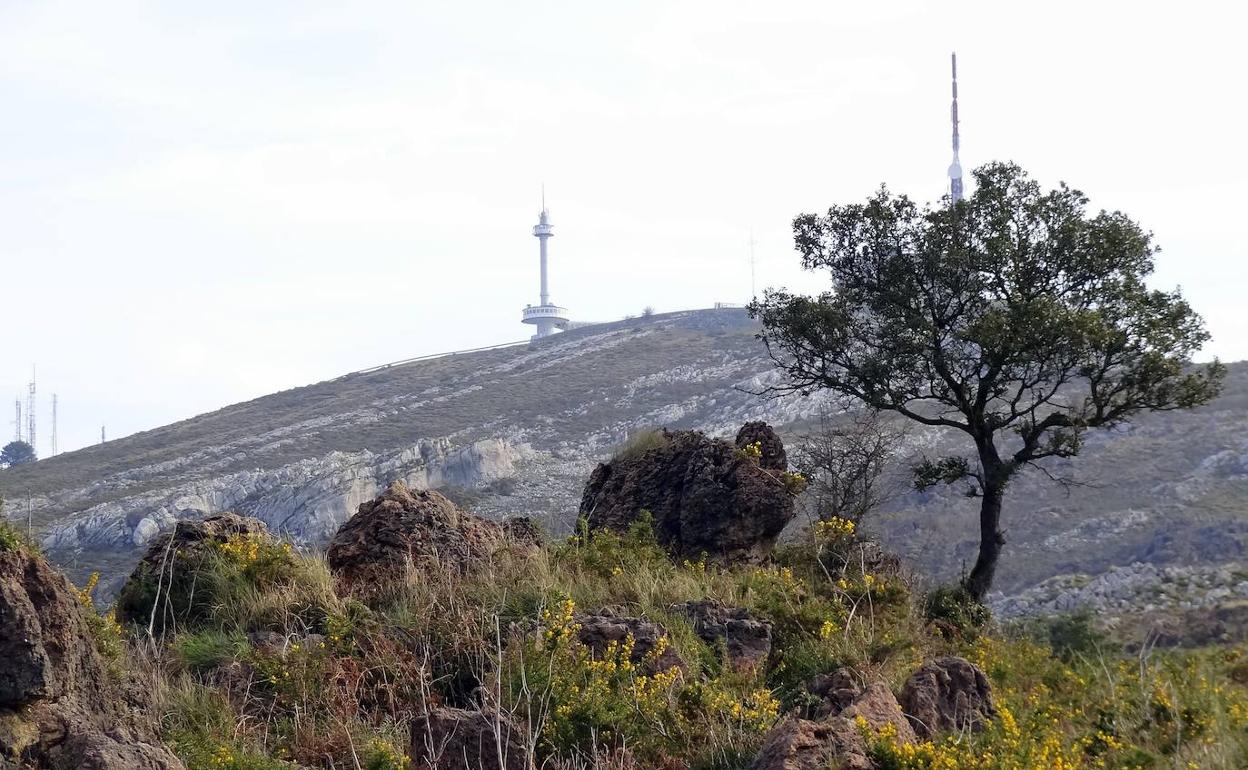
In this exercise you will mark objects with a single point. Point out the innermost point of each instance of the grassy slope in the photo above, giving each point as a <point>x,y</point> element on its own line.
<point>341,682</point>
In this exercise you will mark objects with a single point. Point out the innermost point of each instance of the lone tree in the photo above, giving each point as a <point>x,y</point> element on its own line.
<point>17,453</point>
<point>1013,316</point>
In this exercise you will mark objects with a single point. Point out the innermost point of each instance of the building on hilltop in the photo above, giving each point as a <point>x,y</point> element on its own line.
<point>546,316</point>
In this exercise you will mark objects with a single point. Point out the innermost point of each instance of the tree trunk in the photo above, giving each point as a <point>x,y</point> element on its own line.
<point>990,541</point>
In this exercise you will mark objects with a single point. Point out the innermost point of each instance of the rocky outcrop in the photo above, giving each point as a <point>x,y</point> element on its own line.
<point>650,650</point>
<point>837,740</point>
<point>305,500</point>
<point>945,694</point>
<point>160,592</point>
<point>771,449</point>
<point>409,527</point>
<point>455,739</point>
<point>746,640</point>
<point>59,708</point>
<point>705,496</point>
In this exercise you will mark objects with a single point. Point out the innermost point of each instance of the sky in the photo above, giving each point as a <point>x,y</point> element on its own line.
<point>201,203</point>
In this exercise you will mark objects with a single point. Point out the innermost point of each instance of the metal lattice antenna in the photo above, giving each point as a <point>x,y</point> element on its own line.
<point>17,421</point>
<point>30,412</point>
<point>955,168</point>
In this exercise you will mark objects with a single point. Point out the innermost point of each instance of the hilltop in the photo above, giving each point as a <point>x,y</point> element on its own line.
<point>518,429</point>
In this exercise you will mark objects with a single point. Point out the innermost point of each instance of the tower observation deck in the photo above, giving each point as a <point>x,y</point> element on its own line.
<point>546,317</point>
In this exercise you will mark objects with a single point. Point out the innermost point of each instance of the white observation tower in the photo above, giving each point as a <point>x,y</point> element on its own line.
<point>545,316</point>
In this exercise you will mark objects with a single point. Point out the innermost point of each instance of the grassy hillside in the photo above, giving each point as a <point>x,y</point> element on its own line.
<point>283,670</point>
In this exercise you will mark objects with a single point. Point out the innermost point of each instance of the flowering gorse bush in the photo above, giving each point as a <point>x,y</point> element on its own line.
<point>616,698</point>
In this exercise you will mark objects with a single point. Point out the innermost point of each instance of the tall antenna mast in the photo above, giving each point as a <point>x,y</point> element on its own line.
<point>955,168</point>
<point>17,421</point>
<point>53,424</point>
<point>30,412</point>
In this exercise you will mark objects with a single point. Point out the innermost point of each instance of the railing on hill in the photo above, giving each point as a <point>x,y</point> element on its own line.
<point>429,356</point>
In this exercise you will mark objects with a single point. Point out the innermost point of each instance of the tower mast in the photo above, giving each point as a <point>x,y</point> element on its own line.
<point>30,413</point>
<point>955,168</point>
<point>545,316</point>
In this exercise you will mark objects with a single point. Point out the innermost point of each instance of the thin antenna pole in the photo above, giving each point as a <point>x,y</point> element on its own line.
<point>955,168</point>
<point>31,412</point>
<point>17,421</point>
<point>102,439</point>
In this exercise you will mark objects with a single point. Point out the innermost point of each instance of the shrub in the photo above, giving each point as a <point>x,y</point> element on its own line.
<point>954,606</point>
<point>640,442</point>
<point>13,540</point>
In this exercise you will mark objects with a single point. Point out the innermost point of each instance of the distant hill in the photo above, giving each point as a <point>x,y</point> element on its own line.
<point>517,430</point>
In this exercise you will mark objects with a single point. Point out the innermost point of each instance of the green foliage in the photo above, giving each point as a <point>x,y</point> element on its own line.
<point>13,540</point>
<point>1072,636</point>
<point>956,607</point>
<point>1015,317</point>
<point>17,453</point>
<point>226,583</point>
<point>203,651</point>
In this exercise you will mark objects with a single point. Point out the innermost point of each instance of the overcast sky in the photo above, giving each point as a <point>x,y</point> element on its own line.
<point>202,203</point>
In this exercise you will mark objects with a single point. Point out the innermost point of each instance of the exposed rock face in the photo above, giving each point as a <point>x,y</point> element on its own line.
<point>58,707</point>
<point>800,744</point>
<point>833,693</point>
<point>746,639</point>
<point>162,582</point>
<point>597,632</point>
<point>304,501</point>
<point>948,693</point>
<point>773,456</point>
<point>455,739</point>
<point>835,741</point>
<point>705,497</point>
<point>405,526</point>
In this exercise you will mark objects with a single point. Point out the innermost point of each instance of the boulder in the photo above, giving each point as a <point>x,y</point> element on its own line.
<point>704,495</point>
<point>164,579</point>
<point>830,694</point>
<point>456,739</point>
<point>803,744</point>
<point>746,640</point>
<point>597,632</point>
<point>948,693</point>
<point>773,456</point>
<point>879,708</point>
<point>835,739</point>
<point>406,526</point>
<point>59,707</point>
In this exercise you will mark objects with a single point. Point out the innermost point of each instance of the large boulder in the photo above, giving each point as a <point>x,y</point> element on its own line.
<point>651,649</point>
<point>746,640</point>
<point>161,591</point>
<point>947,694</point>
<point>455,739</point>
<point>59,707</point>
<point>705,496</point>
<point>409,527</point>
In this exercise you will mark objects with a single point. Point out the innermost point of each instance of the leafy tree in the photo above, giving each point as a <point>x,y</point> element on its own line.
<point>1014,317</point>
<point>17,453</point>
